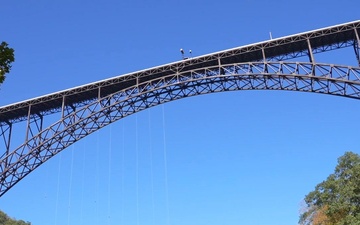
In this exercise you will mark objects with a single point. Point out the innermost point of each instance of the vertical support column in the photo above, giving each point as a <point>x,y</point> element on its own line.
<point>311,58</point>
<point>357,46</point>
<point>6,130</point>
<point>63,107</point>
<point>28,124</point>
<point>37,121</point>
<point>311,55</point>
<point>263,54</point>
<point>34,126</point>
<point>221,70</point>
<point>67,109</point>
<point>137,85</point>
<point>41,127</point>
<point>265,61</point>
<point>99,93</point>
<point>6,134</point>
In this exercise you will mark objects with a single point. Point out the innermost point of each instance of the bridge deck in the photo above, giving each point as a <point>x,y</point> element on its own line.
<point>293,46</point>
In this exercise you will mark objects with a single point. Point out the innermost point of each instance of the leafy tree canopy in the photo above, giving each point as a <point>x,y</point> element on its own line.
<point>336,201</point>
<point>6,220</point>
<point>6,58</point>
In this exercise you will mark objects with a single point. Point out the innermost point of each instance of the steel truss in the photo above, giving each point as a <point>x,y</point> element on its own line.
<point>279,49</point>
<point>87,108</point>
<point>78,121</point>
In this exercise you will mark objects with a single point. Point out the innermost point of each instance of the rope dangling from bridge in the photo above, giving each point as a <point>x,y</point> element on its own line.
<point>82,184</point>
<point>70,183</point>
<point>122,174</point>
<point>57,191</point>
<point>109,175</point>
<point>165,169</point>
<point>97,178</point>
<point>137,170</point>
<point>151,168</point>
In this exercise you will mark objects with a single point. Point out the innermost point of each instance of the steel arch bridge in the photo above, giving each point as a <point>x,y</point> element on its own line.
<point>85,109</point>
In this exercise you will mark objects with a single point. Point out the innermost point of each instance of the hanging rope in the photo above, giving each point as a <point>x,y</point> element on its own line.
<point>58,190</point>
<point>82,185</point>
<point>165,169</point>
<point>97,179</point>
<point>137,170</point>
<point>151,169</point>
<point>47,177</point>
<point>122,174</point>
<point>109,176</point>
<point>70,183</point>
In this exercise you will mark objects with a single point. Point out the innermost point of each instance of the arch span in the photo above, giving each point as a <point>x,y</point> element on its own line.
<point>77,123</point>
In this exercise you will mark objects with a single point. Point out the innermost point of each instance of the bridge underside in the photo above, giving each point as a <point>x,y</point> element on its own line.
<point>86,109</point>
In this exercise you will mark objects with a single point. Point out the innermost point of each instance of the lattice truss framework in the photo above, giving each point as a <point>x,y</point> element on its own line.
<point>141,90</point>
<point>76,123</point>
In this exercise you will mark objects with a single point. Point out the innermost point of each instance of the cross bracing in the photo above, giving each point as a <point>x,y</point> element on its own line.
<point>85,109</point>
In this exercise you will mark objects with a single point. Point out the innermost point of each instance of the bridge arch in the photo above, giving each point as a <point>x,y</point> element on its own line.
<point>79,122</point>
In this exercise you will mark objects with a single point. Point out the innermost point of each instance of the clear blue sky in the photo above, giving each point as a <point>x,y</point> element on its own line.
<point>246,157</point>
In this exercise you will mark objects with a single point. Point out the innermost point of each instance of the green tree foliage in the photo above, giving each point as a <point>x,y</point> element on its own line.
<point>336,200</point>
<point>6,220</point>
<point>6,58</point>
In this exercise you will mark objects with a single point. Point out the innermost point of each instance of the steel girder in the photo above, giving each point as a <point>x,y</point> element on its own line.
<point>77,122</point>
